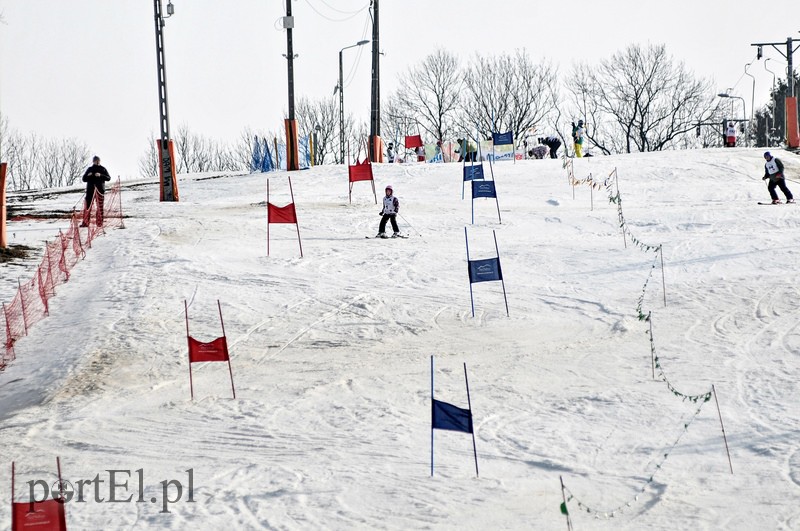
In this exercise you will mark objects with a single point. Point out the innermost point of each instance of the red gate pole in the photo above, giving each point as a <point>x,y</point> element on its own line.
<point>296,223</point>
<point>189,345</point>
<point>230,370</point>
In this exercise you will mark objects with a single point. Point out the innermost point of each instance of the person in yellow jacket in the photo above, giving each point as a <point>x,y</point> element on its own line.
<point>578,133</point>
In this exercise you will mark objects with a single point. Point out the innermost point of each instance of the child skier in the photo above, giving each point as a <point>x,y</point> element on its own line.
<point>773,170</point>
<point>391,207</point>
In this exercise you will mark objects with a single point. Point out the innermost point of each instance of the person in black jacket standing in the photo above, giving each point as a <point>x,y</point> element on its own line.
<point>95,178</point>
<point>773,170</point>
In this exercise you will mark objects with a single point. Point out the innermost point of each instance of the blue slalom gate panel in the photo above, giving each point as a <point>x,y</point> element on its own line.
<point>473,172</point>
<point>501,139</point>
<point>483,189</point>
<point>449,417</point>
<point>485,270</point>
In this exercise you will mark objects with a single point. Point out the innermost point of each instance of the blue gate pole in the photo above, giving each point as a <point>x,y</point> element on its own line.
<point>502,282</point>
<point>432,406</point>
<point>471,299</point>
<point>471,425</point>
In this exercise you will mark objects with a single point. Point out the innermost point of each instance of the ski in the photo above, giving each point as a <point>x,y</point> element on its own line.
<point>781,203</point>
<point>387,238</point>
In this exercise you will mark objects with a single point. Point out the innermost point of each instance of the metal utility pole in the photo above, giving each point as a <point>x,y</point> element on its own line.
<point>166,159</point>
<point>375,151</point>
<point>292,158</point>
<point>792,132</point>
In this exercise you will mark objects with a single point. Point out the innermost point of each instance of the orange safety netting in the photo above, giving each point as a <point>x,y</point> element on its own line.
<point>30,304</point>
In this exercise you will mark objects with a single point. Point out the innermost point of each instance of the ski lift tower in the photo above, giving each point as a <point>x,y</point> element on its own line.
<point>166,159</point>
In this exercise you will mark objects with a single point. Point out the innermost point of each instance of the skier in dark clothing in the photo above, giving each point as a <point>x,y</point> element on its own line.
<point>391,207</point>
<point>773,170</point>
<point>95,178</point>
<point>553,143</point>
<point>467,150</point>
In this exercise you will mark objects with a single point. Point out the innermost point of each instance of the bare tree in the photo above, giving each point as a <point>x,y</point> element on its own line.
<point>198,154</point>
<point>506,93</point>
<point>357,143</point>
<point>640,100</point>
<point>397,119</point>
<point>325,114</point>
<point>429,95</point>
<point>61,162</point>
<point>23,153</point>
<point>3,135</point>
<point>148,162</point>
<point>75,155</point>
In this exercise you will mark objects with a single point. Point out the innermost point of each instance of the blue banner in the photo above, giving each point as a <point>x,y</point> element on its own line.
<point>485,270</point>
<point>483,189</point>
<point>266,163</point>
<point>449,417</point>
<point>473,172</point>
<point>500,139</point>
<point>255,161</point>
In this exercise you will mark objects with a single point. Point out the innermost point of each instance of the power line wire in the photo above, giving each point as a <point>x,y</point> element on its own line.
<point>352,14</point>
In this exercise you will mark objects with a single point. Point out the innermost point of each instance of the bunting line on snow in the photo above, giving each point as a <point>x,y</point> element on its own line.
<point>705,397</point>
<point>639,313</point>
<point>622,508</point>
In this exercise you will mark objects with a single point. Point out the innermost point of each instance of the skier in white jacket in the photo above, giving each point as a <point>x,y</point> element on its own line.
<point>391,207</point>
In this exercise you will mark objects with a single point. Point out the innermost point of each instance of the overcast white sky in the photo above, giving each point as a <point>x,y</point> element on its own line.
<point>86,68</point>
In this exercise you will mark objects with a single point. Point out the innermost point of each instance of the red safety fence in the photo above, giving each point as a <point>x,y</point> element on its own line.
<point>30,304</point>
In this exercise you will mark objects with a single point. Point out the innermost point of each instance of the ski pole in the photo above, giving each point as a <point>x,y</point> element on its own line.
<point>409,224</point>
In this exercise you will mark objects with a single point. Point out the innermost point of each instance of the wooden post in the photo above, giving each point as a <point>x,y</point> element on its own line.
<point>724,437</point>
<point>564,509</point>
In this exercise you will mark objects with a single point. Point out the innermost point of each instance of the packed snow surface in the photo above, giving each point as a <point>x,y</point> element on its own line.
<point>330,353</point>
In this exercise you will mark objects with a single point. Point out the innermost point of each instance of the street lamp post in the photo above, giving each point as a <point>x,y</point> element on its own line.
<point>169,183</point>
<point>340,88</point>
<point>774,104</point>
<point>744,107</point>
<point>752,100</point>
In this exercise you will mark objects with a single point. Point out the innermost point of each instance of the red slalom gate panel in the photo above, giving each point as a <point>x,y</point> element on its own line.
<point>212,351</point>
<point>45,515</point>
